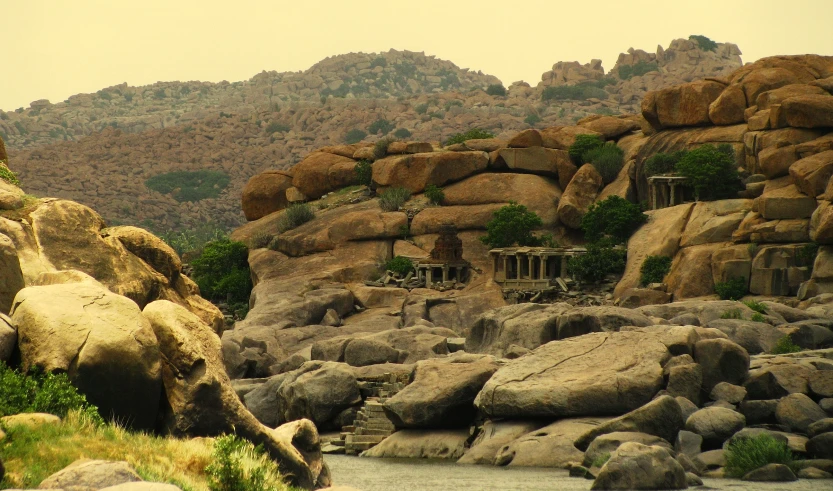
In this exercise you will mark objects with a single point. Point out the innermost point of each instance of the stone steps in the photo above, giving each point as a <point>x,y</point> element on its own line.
<point>371,425</point>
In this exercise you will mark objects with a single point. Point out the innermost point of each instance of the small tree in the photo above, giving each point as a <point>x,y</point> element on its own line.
<point>733,289</point>
<point>703,42</point>
<point>400,265</point>
<point>583,144</point>
<point>222,271</point>
<point>615,219</point>
<point>662,163</point>
<point>364,172</point>
<point>607,159</point>
<point>354,136</point>
<point>496,89</point>
<point>654,269</point>
<point>600,260</point>
<point>382,125</point>
<point>402,133</point>
<point>711,171</point>
<point>512,224</point>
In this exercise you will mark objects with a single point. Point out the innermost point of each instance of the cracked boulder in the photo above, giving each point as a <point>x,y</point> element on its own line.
<point>565,378</point>
<point>100,339</point>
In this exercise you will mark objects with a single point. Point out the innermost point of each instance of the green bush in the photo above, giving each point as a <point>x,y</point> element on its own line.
<point>472,134</point>
<point>732,314</point>
<point>186,241</point>
<point>654,269</point>
<point>380,125</point>
<point>512,224</point>
<point>380,148</point>
<point>434,194</point>
<point>785,345</point>
<point>189,185</point>
<point>402,133</point>
<point>7,175</point>
<point>703,42</point>
<point>582,145</point>
<point>532,119</point>
<point>711,172</point>
<point>364,172</point>
<point>607,159</point>
<point>614,218</point>
<point>637,69</point>
<point>747,454</point>
<point>392,199</point>
<point>734,289</point>
<point>295,215</point>
<point>806,256</point>
<point>662,163</point>
<point>421,108</point>
<point>222,271</point>
<point>275,127</point>
<point>400,265</point>
<point>580,92</point>
<point>227,471</point>
<point>379,61</point>
<point>757,317</point>
<point>39,392</point>
<point>756,306</point>
<point>496,89</point>
<point>601,260</point>
<point>354,136</point>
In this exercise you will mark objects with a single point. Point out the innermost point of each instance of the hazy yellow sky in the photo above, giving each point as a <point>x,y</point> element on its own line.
<point>55,48</point>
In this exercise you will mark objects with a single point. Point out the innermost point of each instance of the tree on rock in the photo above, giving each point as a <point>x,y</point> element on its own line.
<point>512,224</point>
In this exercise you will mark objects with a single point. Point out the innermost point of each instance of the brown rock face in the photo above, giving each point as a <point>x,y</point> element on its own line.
<point>609,127</point>
<point>540,160</point>
<point>729,107</point>
<point>821,223</point>
<point>810,111</point>
<point>561,137</point>
<point>414,172</point>
<point>312,175</point>
<point>811,174</point>
<point>265,193</point>
<point>579,195</point>
<point>683,105</point>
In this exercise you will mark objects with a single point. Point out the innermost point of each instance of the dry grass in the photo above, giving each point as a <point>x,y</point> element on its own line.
<point>31,455</point>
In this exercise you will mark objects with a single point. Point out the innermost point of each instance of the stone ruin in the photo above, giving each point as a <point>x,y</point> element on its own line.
<point>532,268</point>
<point>446,261</point>
<point>667,190</point>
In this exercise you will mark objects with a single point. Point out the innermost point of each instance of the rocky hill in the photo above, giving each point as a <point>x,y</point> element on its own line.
<point>275,119</point>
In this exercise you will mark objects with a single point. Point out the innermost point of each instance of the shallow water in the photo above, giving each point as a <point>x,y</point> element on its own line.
<point>368,474</point>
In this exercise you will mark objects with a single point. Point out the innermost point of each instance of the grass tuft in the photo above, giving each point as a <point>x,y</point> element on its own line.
<point>747,454</point>
<point>392,199</point>
<point>295,215</point>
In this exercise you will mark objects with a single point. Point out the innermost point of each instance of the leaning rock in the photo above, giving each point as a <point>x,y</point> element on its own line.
<point>8,338</point>
<point>550,446</point>
<point>579,195</point>
<point>11,276</point>
<point>722,361</point>
<point>494,435</point>
<point>820,446</point>
<point>661,417</point>
<point>416,171</point>
<point>441,394</point>
<point>149,248</point>
<point>771,473</point>
<point>797,412</point>
<point>100,339</point>
<point>715,425</point>
<point>529,387</point>
<point>821,426</point>
<point>607,444</point>
<point>91,475</point>
<point>421,444</point>
<point>265,193</point>
<point>637,466</point>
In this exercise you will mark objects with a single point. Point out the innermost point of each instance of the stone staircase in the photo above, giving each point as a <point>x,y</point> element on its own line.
<point>371,426</point>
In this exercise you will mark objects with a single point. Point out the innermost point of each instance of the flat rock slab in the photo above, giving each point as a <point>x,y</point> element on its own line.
<point>566,378</point>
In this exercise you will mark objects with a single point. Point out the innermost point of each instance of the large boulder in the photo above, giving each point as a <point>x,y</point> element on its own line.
<point>808,111</point>
<point>540,160</point>
<point>416,171</point>
<point>682,105</point>
<point>311,176</point>
<point>91,475</point>
<point>202,402</point>
<point>494,435</point>
<point>662,417</point>
<point>797,412</point>
<point>100,339</point>
<point>11,277</point>
<point>714,221</point>
<point>562,137</point>
<point>265,193</point>
<point>473,217</point>
<point>524,325</point>
<point>608,443</point>
<point>715,425</point>
<point>530,387</point>
<point>550,446</point>
<point>441,394</point>
<point>584,320</point>
<point>8,338</point>
<point>579,195</point>
<point>637,466</point>
<point>421,444</point>
<point>811,174</point>
<point>149,248</point>
<point>609,127</point>
<point>821,223</point>
<point>722,361</point>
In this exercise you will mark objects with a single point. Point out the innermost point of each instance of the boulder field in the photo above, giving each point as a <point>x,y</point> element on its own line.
<point>661,382</point>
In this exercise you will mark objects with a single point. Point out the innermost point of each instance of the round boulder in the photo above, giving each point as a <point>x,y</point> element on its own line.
<point>637,466</point>
<point>797,412</point>
<point>715,425</point>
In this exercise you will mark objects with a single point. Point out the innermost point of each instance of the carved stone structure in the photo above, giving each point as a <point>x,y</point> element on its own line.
<point>446,263</point>
<point>664,192</point>
<point>531,268</point>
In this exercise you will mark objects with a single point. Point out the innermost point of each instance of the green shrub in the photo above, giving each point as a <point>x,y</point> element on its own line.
<point>654,269</point>
<point>582,145</point>
<point>472,134</point>
<point>733,289</point>
<point>637,69</point>
<point>421,108</point>
<point>710,171</point>
<point>189,185</point>
<point>7,175</point>
<point>380,148</point>
<point>260,240</point>
<point>806,256</point>
<point>614,218</point>
<point>434,194</point>
<point>380,125</point>
<point>703,42</point>
<point>756,306</point>
<point>227,471</point>
<point>39,392</point>
<point>402,133</point>
<point>392,199</point>
<point>607,159</point>
<point>785,345</point>
<point>379,61</point>
<point>275,127</point>
<point>580,92</point>
<point>364,172</point>
<point>747,454</point>
<point>732,314</point>
<point>400,265</point>
<point>600,260</point>
<point>532,119</point>
<point>295,215</point>
<point>662,163</point>
<point>512,224</point>
<point>222,271</point>
<point>186,241</point>
<point>756,317</point>
<point>354,136</point>
<point>496,89</point>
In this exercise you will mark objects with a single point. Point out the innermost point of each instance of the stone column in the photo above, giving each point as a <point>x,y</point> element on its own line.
<point>505,267</point>
<point>543,271</point>
<point>653,190</point>
<point>445,273</point>
<point>518,265</point>
<point>429,276</point>
<point>672,193</point>
<point>563,273</point>
<point>531,261</point>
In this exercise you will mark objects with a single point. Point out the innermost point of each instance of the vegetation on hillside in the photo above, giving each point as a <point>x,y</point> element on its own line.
<point>582,145</point>
<point>393,198</point>
<point>703,42</point>
<point>626,72</point>
<point>732,289</point>
<point>189,185</point>
<point>222,273</point>
<point>513,225</point>
<point>711,171</point>
<point>607,159</point>
<point>580,92</point>
<point>472,134</point>
<point>400,265</point>
<point>654,269</point>
<point>7,175</point>
<point>434,194</point>
<point>496,89</point>
<point>39,392</point>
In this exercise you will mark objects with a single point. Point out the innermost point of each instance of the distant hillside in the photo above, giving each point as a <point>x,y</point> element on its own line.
<point>119,137</point>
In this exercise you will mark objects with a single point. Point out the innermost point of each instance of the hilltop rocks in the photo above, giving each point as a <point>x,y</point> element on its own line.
<point>579,195</point>
<point>265,193</point>
<point>683,105</point>
<point>100,339</point>
<point>312,176</point>
<point>528,387</point>
<point>416,171</point>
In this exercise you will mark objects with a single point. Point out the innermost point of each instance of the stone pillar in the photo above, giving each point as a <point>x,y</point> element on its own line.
<point>543,273</point>
<point>531,261</point>
<point>563,273</point>
<point>429,276</point>
<point>445,273</point>
<point>671,194</point>
<point>518,265</point>
<point>505,267</point>
<point>653,190</point>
